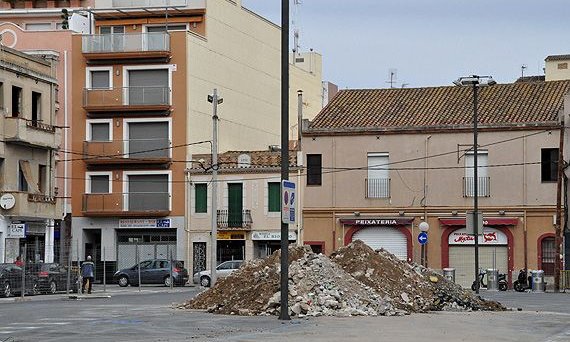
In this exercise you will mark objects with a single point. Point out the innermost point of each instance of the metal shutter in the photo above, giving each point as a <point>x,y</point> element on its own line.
<point>462,258</point>
<point>388,238</point>
<point>149,139</point>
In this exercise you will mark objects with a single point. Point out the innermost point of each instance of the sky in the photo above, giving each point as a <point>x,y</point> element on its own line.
<point>428,42</point>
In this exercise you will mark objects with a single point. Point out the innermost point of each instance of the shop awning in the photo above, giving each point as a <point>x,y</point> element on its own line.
<point>490,221</point>
<point>376,221</point>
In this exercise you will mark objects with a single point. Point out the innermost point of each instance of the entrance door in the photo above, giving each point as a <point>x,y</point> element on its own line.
<point>235,204</point>
<point>199,257</point>
<point>387,238</point>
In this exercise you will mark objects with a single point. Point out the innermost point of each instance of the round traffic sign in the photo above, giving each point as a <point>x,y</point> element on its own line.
<point>422,238</point>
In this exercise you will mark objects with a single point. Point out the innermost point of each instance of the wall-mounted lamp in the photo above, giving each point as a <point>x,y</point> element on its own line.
<point>118,123</point>
<point>454,213</point>
<point>401,213</point>
<point>501,212</point>
<point>117,71</point>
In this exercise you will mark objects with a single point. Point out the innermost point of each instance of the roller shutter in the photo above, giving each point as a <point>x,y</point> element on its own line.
<point>462,258</point>
<point>390,239</point>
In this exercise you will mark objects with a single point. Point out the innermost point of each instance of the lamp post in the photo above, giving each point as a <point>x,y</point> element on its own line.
<point>475,82</point>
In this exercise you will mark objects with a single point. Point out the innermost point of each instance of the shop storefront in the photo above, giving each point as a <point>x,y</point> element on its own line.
<point>26,239</point>
<point>495,248</point>
<point>231,245</point>
<point>266,243</point>
<point>391,234</point>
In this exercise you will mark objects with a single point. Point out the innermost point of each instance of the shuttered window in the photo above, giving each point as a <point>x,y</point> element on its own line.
<point>549,164</point>
<point>99,184</point>
<point>100,131</point>
<point>314,169</point>
<point>274,196</point>
<point>201,199</point>
<point>100,79</point>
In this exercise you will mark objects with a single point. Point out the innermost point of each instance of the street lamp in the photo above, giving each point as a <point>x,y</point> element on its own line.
<point>475,82</point>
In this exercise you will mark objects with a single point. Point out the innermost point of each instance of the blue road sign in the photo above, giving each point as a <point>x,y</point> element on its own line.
<point>422,238</point>
<point>288,202</point>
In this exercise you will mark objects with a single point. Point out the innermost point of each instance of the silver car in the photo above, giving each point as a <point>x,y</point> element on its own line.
<point>223,270</point>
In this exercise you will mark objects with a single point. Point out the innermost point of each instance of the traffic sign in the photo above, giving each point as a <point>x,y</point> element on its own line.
<point>288,198</point>
<point>422,238</point>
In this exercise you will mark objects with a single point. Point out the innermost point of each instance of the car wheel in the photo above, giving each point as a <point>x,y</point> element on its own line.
<point>167,281</point>
<point>52,287</point>
<point>123,281</point>
<point>6,290</point>
<point>205,281</point>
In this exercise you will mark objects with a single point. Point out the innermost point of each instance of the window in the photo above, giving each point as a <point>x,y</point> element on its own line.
<point>483,181</point>
<point>16,101</point>
<point>549,165</point>
<point>162,28</point>
<point>548,255</point>
<point>111,29</point>
<point>99,184</point>
<point>36,107</point>
<point>314,169</point>
<point>42,184</point>
<point>39,27</point>
<point>99,79</point>
<point>235,204</point>
<point>1,96</point>
<point>562,66</point>
<point>149,87</point>
<point>99,131</point>
<point>148,139</point>
<point>274,197</point>
<point>201,197</point>
<point>148,192</point>
<point>378,180</point>
<point>22,183</point>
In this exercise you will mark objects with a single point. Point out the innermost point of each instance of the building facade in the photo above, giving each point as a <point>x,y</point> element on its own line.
<point>28,206</point>
<point>379,162</point>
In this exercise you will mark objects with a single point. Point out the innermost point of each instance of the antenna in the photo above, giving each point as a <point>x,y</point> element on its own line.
<point>393,76</point>
<point>296,30</point>
<point>523,67</point>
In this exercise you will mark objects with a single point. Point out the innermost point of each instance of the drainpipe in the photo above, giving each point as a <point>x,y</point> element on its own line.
<point>525,233</point>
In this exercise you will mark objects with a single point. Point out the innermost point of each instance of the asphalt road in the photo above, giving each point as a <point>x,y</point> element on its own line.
<point>130,315</point>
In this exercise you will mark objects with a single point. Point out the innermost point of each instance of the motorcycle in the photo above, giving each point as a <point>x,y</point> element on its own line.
<point>502,279</point>
<point>523,282</point>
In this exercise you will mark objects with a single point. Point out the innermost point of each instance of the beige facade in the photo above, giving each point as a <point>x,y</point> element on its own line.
<point>557,67</point>
<point>27,156</point>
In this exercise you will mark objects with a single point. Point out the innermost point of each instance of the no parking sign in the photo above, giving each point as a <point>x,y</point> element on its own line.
<point>288,198</point>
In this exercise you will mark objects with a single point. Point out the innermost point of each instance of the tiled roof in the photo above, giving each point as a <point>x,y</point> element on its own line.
<point>228,161</point>
<point>557,57</point>
<point>515,104</point>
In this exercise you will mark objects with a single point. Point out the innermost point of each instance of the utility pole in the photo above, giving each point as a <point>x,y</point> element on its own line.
<point>476,189</point>
<point>558,227</point>
<point>284,313</point>
<point>215,101</point>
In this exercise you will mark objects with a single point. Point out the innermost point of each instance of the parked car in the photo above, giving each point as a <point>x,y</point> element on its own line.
<point>11,281</point>
<point>52,277</point>
<point>156,271</point>
<point>223,270</point>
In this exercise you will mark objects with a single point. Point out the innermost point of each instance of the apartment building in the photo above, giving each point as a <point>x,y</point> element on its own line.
<point>28,206</point>
<point>381,161</point>
<point>249,206</point>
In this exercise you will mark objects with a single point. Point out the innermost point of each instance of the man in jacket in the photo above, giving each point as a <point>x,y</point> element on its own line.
<point>87,272</point>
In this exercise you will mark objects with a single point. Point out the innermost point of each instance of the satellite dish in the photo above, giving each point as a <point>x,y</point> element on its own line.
<point>244,160</point>
<point>7,201</point>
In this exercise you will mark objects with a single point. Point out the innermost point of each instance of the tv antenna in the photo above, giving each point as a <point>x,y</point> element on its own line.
<point>393,76</point>
<point>296,30</point>
<point>523,67</point>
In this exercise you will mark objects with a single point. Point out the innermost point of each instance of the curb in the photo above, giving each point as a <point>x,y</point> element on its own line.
<point>80,297</point>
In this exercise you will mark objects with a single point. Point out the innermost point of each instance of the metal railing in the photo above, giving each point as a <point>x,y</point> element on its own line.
<point>145,202</point>
<point>126,42</point>
<point>234,219</point>
<point>126,96</point>
<point>377,187</point>
<point>148,3</point>
<point>96,151</point>
<point>483,187</point>
<point>37,124</point>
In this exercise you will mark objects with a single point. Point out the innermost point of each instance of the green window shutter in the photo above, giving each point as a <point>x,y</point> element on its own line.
<point>235,204</point>
<point>201,198</point>
<point>274,197</point>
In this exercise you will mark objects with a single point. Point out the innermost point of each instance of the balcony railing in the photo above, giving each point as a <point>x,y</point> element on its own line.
<point>148,3</point>
<point>127,204</point>
<point>113,43</point>
<point>153,151</point>
<point>126,99</point>
<point>232,219</point>
<point>34,205</point>
<point>483,187</point>
<point>377,187</point>
<point>31,132</point>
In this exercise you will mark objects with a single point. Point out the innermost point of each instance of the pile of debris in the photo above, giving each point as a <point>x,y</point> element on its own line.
<point>354,281</point>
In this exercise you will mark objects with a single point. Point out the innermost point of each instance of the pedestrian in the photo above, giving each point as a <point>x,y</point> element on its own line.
<point>87,273</point>
<point>19,261</point>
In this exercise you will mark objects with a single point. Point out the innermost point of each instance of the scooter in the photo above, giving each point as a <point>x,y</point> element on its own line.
<point>523,282</point>
<point>502,281</point>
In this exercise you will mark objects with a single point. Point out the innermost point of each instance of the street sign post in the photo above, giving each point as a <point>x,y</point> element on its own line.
<point>422,238</point>
<point>288,198</point>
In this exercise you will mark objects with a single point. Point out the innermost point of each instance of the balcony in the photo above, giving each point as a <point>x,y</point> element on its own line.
<point>133,151</point>
<point>149,100</point>
<point>134,204</point>
<point>33,206</point>
<point>377,187</point>
<point>483,187</point>
<point>31,133</point>
<point>234,220</point>
<point>148,3</point>
<point>134,47</point>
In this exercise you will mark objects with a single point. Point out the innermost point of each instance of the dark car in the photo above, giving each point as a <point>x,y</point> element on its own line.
<point>11,281</point>
<point>52,277</point>
<point>156,271</point>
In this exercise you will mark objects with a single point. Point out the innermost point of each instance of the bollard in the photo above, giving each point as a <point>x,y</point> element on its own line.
<point>449,274</point>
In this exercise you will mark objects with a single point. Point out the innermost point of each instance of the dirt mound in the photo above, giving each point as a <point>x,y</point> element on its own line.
<point>356,280</point>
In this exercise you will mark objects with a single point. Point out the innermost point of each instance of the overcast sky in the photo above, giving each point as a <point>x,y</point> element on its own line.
<point>429,42</point>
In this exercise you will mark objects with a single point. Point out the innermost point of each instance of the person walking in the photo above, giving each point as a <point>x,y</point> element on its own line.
<point>87,270</point>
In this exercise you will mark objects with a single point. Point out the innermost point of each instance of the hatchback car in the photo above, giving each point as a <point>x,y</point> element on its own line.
<point>52,277</point>
<point>223,270</point>
<point>11,281</point>
<point>156,271</point>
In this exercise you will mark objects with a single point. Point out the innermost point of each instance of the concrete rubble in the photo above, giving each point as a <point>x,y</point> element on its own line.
<point>354,281</point>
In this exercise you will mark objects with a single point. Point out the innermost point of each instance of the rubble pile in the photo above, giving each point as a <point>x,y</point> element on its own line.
<point>354,281</point>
